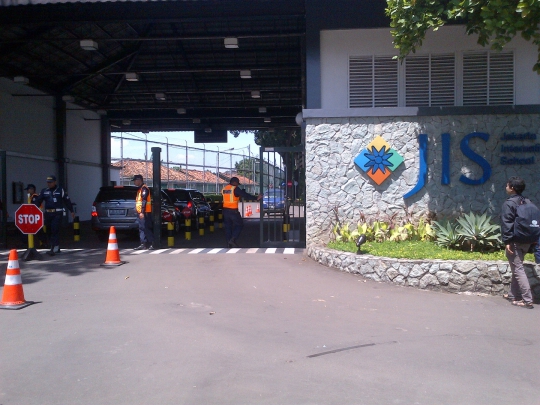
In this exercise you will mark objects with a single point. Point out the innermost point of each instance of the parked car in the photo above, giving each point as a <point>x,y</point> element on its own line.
<point>274,202</point>
<point>192,199</point>
<point>115,206</point>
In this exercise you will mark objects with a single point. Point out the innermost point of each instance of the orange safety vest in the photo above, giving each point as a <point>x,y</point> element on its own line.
<point>138,200</point>
<point>229,199</point>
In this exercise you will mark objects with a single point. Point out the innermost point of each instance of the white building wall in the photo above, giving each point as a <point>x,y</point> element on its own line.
<point>27,134</point>
<point>338,45</point>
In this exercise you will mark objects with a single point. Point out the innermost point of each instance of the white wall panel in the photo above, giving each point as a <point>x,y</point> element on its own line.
<point>338,45</point>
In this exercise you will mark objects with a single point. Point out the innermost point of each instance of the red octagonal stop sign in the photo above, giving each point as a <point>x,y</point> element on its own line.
<point>29,218</point>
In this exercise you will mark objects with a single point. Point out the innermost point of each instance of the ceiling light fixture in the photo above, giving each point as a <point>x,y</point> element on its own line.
<point>245,74</point>
<point>132,77</point>
<point>89,45</point>
<point>21,79</point>
<point>267,119</point>
<point>161,96</point>
<point>126,122</point>
<point>208,130</point>
<point>231,43</point>
<point>68,99</point>
<point>256,94</point>
<point>196,120</point>
<point>181,110</point>
<point>262,109</point>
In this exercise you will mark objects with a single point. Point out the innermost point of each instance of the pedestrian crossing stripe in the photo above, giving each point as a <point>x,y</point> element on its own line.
<point>172,251</point>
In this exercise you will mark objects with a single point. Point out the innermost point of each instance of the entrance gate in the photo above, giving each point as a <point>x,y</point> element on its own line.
<point>283,185</point>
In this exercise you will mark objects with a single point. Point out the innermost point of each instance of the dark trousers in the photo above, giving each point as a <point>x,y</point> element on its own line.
<point>146,228</point>
<point>53,220</point>
<point>519,286</point>
<point>233,223</point>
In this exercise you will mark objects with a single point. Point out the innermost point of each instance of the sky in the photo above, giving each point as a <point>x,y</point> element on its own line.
<point>132,145</point>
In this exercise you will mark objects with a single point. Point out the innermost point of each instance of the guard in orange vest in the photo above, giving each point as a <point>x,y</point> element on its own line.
<point>231,217</point>
<point>143,206</point>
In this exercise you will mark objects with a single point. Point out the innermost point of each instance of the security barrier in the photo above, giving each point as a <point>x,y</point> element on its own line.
<point>76,229</point>
<point>211,227</point>
<point>170,234</point>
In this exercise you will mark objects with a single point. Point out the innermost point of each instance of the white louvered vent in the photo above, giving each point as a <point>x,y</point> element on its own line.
<point>373,81</point>
<point>501,78</point>
<point>443,80</point>
<point>430,80</point>
<point>417,81</point>
<point>360,82</point>
<point>488,78</point>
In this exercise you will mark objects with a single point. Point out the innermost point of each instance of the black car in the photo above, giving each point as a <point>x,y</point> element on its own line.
<point>115,206</point>
<point>192,199</point>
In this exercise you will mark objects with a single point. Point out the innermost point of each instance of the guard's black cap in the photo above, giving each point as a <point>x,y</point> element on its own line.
<point>234,179</point>
<point>28,187</point>
<point>137,176</point>
<point>51,178</point>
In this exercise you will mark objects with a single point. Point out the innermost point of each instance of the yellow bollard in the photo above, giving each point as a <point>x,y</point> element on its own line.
<point>201,225</point>
<point>170,234</point>
<point>220,218</point>
<point>188,228</point>
<point>211,228</point>
<point>76,229</point>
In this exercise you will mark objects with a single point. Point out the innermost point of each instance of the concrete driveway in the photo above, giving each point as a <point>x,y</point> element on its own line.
<point>255,329</point>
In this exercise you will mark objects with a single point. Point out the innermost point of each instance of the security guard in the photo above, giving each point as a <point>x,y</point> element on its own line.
<point>143,206</point>
<point>231,217</point>
<point>54,197</point>
<point>31,189</point>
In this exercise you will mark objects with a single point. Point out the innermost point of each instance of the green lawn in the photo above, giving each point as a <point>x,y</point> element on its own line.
<point>418,250</point>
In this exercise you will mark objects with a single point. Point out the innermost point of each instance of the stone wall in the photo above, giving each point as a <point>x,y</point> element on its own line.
<point>440,275</point>
<point>336,187</point>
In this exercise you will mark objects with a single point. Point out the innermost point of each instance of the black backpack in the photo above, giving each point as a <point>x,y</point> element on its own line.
<point>527,222</point>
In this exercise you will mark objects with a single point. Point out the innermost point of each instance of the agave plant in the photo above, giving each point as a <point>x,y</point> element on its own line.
<point>447,235</point>
<point>478,232</point>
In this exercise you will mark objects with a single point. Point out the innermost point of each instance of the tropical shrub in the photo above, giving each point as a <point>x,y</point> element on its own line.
<point>470,232</point>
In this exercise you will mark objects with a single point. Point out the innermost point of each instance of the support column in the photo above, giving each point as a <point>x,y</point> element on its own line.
<point>105,143</point>
<point>60,129</point>
<point>156,192</point>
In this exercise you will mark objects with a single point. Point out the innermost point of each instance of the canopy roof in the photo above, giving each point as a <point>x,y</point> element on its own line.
<point>175,48</point>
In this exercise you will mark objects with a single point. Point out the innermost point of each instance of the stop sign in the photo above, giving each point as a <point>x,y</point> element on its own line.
<point>29,218</point>
<point>186,212</point>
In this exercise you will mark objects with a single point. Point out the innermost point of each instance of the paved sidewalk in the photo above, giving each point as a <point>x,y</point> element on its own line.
<point>255,329</point>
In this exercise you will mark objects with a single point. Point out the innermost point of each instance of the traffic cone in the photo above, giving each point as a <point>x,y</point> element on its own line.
<point>13,295</point>
<point>113,255</point>
<point>258,208</point>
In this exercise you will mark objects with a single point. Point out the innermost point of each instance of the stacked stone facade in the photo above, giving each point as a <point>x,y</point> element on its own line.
<point>338,189</point>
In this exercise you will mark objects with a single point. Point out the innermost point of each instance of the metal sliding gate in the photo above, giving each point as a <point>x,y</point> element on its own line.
<point>283,185</point>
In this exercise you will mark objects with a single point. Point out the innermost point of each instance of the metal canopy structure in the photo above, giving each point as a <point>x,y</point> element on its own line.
<point>163,65</point>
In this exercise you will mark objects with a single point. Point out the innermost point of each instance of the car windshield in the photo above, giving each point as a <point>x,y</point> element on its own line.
<point>116,194</point>
<point>179,195</point>
<point>197,196</point>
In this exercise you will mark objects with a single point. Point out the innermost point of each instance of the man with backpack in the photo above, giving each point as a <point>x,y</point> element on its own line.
<point>520,228</point>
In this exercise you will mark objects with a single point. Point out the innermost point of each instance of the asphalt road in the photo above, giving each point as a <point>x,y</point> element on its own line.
<point>255,329</point>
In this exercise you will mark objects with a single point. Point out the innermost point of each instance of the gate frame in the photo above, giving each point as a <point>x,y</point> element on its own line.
<point>301,242</point>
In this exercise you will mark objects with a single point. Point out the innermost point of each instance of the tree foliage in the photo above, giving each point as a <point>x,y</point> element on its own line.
<point>495,22</point>
<point>275,138</point>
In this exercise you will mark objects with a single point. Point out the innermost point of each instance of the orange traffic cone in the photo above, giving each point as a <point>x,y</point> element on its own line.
<point>258,208</point>
<point>13,295</point>
<point>113,255</point>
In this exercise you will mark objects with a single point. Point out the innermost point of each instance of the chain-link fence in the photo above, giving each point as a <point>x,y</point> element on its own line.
<point>185,166</point>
